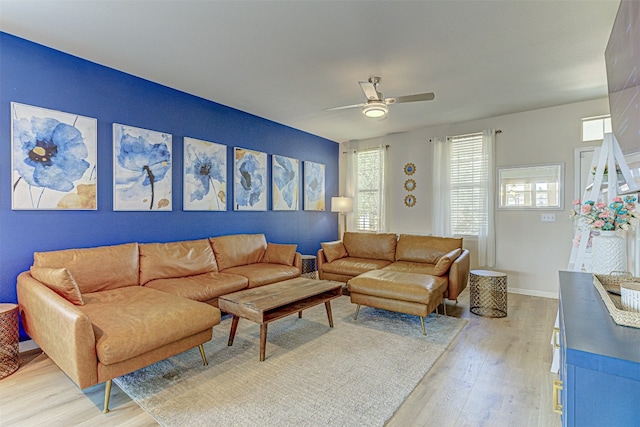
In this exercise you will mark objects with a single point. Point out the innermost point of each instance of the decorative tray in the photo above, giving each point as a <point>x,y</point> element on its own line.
<point>608,287</point>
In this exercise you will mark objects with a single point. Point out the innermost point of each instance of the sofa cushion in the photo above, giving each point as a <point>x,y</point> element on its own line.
<point>334,250</point>
<point>396,285</point>
<point>175,259</point>
<point>60,281</point>
<point>202,287</point>
<point>126,321</point>
<point>95,269</point>
<point>411,267</point>
<point>260,274</point>
<point>238,249</point>
<point>351,266</point>
<point>445,261</point>
<point>280,254</point>
<point>427,249</point>
<point>371,245</point>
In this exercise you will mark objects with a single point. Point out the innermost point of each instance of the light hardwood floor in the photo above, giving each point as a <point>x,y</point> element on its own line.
<point>495,373</point>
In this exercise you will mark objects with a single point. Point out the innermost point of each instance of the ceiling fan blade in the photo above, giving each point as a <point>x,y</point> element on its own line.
<point>344,107</point>
<point>370,91</point>
<point>430,96</point>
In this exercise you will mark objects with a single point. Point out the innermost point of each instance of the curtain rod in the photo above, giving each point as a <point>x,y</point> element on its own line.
<point>365,149</point>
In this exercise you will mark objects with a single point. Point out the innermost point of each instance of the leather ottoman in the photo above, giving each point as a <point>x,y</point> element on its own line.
<point>403,292</point>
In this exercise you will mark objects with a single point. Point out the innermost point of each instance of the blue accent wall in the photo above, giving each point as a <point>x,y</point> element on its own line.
<point>36,75</point>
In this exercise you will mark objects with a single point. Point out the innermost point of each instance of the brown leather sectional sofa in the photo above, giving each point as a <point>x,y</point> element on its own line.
<point>103,312</point>
<point>359,253</point>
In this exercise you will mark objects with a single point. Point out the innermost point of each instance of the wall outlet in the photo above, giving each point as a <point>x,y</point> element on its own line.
<point>548,217</point>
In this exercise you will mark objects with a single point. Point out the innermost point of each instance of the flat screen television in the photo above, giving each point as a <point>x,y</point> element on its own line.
<point>622,57</point>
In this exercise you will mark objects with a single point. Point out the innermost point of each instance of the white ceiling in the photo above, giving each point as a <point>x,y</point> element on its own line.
<point>288,60</point>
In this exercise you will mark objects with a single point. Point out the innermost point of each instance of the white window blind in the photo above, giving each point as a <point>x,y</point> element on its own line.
<point>369,184</point>
<point>468,177</point>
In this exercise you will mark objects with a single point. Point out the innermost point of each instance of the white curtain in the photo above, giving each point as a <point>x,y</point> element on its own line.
<point>441,187</point>
<point>487,234</point>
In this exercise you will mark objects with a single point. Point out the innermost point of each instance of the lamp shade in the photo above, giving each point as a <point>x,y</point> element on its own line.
<point>342,204</point>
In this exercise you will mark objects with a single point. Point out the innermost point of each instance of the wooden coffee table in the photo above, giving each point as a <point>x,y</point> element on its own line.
<point>267,303</point>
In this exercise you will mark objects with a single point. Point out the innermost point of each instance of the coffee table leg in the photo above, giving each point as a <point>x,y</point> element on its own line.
<point>263,340</point>
<point>234,326</point>
<point>327,305</point>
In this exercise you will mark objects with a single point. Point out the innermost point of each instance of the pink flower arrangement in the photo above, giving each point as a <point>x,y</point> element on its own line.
<point>620,214</point>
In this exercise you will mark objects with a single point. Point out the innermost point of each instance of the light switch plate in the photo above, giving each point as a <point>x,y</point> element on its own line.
<point>548,217</point>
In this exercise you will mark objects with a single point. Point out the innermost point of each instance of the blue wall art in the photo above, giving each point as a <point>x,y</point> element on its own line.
<point>285,176</point>
<point>141,169</point>
<point>313,186</point>
<point>54,159</point>
<point>205,175</point>
<point>250,180</point>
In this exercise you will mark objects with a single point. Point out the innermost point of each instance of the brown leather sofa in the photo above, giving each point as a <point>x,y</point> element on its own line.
<point>103,312</point>
<point>410,274</point>
<point>359,253</point>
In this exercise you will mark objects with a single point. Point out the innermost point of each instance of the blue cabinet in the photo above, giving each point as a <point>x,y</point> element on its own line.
<point>599,360</point>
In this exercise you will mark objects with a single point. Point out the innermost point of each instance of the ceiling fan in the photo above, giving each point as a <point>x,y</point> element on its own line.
<point>376,105</point>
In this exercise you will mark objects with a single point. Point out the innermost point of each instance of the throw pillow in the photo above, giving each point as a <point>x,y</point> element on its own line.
<point>445,261</point>
<point>334,250</point>
<point>60,281</point>
<point>280,254</point>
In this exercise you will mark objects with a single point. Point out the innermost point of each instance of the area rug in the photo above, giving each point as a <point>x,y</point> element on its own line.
<point>355,374</point>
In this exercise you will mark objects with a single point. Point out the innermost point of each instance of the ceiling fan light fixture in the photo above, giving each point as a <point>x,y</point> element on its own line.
<point>375,109</point>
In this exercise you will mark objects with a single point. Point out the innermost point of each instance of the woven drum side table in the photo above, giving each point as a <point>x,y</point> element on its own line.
<point>9,345</point>
<point>309,266</point>
<point>488,293</point>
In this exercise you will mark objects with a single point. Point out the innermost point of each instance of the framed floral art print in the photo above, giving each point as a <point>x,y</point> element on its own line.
<point>285,177</point>
<point>53,159</point>
<point>314,186</point>
<point>205,176</point>
<point>141,169</point>
<point>250,180</point>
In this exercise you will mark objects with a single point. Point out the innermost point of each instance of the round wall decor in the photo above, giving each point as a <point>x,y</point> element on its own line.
<point>410,185</point>
<point>410,200</point>
<point>409,168</point>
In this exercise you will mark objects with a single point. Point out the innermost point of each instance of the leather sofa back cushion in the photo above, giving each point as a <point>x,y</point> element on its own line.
<point>60,281</point>
<point>238,249</point>
<point>95,269</point>
<point>280,254</point>
<point>445,262</point>
<point>175,259</point>
<point>370,245</point>
<point>334,250</point>
<point>427,249</point>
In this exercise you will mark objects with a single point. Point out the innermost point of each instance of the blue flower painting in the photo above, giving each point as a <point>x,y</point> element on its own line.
<point>205,176</point>
<point>142,169</point>
<point>285,186</point>
<point>54,159</point>
<point>249,181</point>
<point>313,186</point>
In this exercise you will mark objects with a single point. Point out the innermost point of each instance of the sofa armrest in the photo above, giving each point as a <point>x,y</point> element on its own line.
<point>459,275</point>
<point>297,262</point>
<point>61,330</point>
<point>320,259</point>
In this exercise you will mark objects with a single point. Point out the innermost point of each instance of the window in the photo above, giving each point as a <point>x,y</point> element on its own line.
<point>369,183</point>
<point>531,187</point>
<point>468,179</point>
<point>594,128</point>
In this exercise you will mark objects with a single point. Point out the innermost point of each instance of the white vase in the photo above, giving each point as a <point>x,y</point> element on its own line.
<point>608,253</point>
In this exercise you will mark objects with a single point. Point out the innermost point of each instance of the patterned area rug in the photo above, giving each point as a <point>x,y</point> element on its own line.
<point>356,374</point>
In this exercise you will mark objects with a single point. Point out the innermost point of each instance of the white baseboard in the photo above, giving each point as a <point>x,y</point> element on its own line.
<point>27,345</point>
<point>552,295</point>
